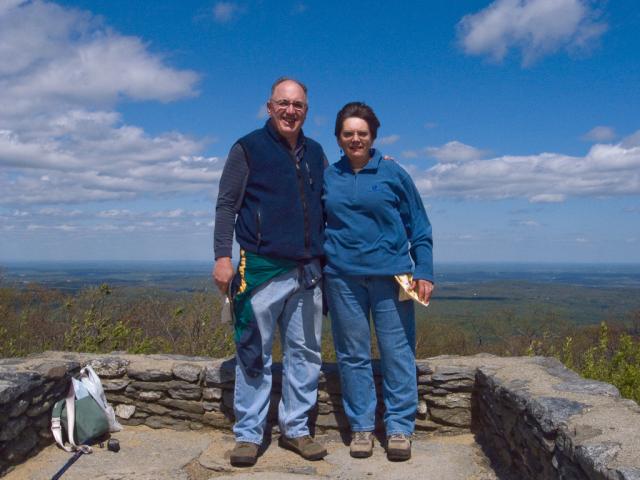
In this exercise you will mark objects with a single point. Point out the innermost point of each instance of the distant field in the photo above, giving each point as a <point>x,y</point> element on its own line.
<point>578,304</point>
<point>465,293</point>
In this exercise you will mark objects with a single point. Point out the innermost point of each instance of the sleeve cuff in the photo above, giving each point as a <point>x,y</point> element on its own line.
<point>418,275</point>
<point>222,253</point>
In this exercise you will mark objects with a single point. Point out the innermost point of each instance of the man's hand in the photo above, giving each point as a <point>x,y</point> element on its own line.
<point>424,289</point>
<point>222,273</point>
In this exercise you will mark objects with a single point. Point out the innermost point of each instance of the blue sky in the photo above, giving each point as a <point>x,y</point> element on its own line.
<point>519,120</point>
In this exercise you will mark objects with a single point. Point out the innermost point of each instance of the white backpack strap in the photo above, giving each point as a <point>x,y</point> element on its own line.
<point>56,427</point>
<point>71,414</point>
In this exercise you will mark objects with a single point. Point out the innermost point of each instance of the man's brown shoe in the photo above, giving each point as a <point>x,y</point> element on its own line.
<point>305,446</point>
<point>244,454</point>
<point>361,444</point>
<point>398,447</point>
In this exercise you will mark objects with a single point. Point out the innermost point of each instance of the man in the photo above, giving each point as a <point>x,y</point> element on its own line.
<point>270,190</point>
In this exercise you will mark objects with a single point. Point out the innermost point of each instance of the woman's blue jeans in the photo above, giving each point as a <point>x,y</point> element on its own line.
<point>351,301</point>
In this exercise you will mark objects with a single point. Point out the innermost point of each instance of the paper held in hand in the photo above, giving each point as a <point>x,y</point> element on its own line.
<point>225,313</point>
<point>406,292</point>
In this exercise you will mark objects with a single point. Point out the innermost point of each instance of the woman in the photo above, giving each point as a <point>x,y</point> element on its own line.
<point>376,228</point>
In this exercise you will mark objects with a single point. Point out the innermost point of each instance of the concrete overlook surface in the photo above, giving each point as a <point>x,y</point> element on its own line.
<point>148,454</point>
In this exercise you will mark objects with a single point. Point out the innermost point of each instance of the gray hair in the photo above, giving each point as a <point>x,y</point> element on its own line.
<point>287,79</point>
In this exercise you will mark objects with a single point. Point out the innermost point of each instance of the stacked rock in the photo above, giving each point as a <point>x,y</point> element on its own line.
<point>171,391</point>
<point>164,391</point>
<point>445,397</point>
<point>528,436</point>
<point>26,399</point>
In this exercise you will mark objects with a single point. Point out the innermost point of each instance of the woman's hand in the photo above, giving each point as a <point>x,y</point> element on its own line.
<point>423,288</point>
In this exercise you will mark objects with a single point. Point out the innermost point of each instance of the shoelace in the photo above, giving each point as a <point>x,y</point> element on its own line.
<point>362,437</point>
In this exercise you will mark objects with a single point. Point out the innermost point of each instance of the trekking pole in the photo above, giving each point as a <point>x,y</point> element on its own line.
<point>70,462</point>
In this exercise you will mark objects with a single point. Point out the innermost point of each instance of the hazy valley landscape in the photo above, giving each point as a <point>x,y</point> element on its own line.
<point>587,315</point>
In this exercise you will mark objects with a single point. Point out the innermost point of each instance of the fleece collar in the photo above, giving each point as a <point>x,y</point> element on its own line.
<point>372,164</point>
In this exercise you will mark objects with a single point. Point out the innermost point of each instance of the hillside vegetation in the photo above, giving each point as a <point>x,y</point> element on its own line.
<point>149,320</point>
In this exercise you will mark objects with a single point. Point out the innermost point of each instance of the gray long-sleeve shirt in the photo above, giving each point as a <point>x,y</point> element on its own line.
<point>233,183</point>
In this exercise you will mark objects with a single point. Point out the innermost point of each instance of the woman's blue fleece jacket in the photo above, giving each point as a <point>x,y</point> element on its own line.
<point>376,223</point>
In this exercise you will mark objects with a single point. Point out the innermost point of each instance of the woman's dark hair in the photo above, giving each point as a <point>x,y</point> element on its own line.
<point>358,110</point>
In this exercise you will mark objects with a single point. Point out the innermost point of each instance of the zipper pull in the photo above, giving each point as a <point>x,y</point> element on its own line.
<point>309,174</point>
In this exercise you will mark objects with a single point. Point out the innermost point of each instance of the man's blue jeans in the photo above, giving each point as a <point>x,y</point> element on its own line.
<point>351,300</point>
<point>298,313</point>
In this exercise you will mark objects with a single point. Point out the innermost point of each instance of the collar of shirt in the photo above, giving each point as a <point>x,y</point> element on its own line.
<point>300,144</point>
<point>372,164</point>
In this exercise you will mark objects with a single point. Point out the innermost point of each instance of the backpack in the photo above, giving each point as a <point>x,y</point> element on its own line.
<point>84,415</point>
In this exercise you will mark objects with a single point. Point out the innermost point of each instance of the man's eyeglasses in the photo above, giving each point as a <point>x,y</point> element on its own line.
<point>285,104</point>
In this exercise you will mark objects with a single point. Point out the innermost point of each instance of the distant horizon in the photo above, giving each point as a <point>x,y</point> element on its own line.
<point>189,275</point>
<point>211,261</point>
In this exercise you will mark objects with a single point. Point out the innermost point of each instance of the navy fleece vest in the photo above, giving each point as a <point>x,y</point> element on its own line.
<point>281,214</point>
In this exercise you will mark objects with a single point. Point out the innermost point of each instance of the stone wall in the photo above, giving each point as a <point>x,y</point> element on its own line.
<point>538,420</point>
<point>534,418</point>
<point>27,394</point>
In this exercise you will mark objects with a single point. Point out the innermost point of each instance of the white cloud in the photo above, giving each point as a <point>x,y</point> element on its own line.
<point>632,140</point>
<point>104,227</point>
<point>548,198</point>
<point>535,27</point>
<point>50,54</point>
<point>388,140</point>
<point>529,223</point>
<point>114,213</point>
<point>299,8</point>
<point>224,12</point>
<point>59,212</point>
<point>61,74</point>
<point>66,227</point>
<point>606,170</point>
<point>120,162</point>
<point>453,152</point>
<point>176,213</point>
<point>410,154</point>
<point>115,220</point>
<point>600,133</point>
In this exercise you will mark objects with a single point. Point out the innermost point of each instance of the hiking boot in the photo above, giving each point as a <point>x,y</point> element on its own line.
<point>244,454</point>
<point>361,444</point>
<point>398,447</point>
<point>304,446</point>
